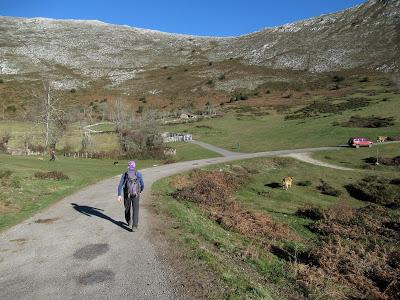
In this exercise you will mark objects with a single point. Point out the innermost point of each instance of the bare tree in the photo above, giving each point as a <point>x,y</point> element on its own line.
<point>209,108</point>
<point>120,114</point>
<point>396,80</point>
<point>49,115</point>
<point>142,137</point>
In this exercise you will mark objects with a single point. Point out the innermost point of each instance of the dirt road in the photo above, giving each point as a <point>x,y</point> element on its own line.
<point>79,247</point>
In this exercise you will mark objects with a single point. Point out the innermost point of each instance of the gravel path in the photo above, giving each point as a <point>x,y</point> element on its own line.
<point>306,158</point>
<point>79,248</point>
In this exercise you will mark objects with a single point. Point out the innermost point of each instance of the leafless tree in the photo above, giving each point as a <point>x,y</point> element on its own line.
<point>142,137</point>
<point>49,115</point>
<point>120,114</point>
<point>209,108</point>
<point>396,79</point>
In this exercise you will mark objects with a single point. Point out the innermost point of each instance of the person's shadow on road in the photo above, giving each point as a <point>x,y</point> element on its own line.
<point>93,211</point>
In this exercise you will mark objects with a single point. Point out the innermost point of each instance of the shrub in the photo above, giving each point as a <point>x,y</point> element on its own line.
<point>210,82</point>
<point>212,190</point>
<point>239,96</point>
<point>140,109</point>
<point>387,161</point>
<point>5,173</point>
<point>375,189</point>
<point>395,181</point>
<point>169,77</point>
<point>326,107</point>
<point>368,122</point>
<point>11,108</point>
<point>364,79</point>
<point>37,148</point>
<point>1,80</point>
<point>55,175</point>
<point>73,90</point>
<point>221,77</point>
<point>393,138</point>
<point>357,245</point>
<point>326,189</point>
<point>169,161</point>
<point>310,212</point>
<point>337,78</point>
<point>4,139</point>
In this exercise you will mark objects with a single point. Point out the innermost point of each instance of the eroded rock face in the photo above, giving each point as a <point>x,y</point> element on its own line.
<point>75,53</point>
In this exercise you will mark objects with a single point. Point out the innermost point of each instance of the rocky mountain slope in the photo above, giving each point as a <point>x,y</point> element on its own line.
<point>76,54</point>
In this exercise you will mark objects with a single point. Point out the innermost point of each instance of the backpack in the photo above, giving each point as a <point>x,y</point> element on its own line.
<point>132,184</point>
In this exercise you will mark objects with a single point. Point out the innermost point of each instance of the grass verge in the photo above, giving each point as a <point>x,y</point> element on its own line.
<point>261,266</point>
<point>22,193</point>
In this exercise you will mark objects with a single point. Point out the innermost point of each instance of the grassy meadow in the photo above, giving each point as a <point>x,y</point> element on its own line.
<point>263,129</point>
<point>356,158</point>
<point>22,194</point>
<point>248,265</point>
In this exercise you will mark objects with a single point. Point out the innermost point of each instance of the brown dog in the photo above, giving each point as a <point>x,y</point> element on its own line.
<point>381,139</point>
<point>287,182</point>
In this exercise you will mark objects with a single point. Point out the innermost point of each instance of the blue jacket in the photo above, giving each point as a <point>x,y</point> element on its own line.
<point>123,181</point>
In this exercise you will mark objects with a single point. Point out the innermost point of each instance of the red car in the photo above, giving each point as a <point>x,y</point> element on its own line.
<point>359,142</point>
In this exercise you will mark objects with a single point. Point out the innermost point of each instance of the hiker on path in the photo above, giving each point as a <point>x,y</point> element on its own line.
<point>132,185</point>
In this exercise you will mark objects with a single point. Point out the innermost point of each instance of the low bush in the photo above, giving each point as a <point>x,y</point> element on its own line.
<point>310,212</point>
<point>327,107</point>
<point>55,175</point>
<point>5,173</point>
<point>212,190</point>
<point>210,82</point>
<point>11,108</point>
<point>326,189</point>
<point>337,78</point>
<point>169,161</point>
<point>368,122</point>
<point>394,138</point>
<point>4,139</point>
<point>204,126</point>
<point>37,148</point>
<point>379,190</point>
<point>384,160</point>
<point>238,96</point>
<point>357,251</point>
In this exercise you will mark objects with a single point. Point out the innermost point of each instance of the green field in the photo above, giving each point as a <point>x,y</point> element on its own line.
<point>260,274</point>
<point>187,151</point>
<point>71,140</point>
<point>355,158</point>
<point>272,132</point>
<point>21,194</point>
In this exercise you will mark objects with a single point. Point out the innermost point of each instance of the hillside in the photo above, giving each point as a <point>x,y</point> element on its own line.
<point>99,60</point>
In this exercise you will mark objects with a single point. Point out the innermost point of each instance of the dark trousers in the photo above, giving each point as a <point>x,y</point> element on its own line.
<point>131,210</point>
